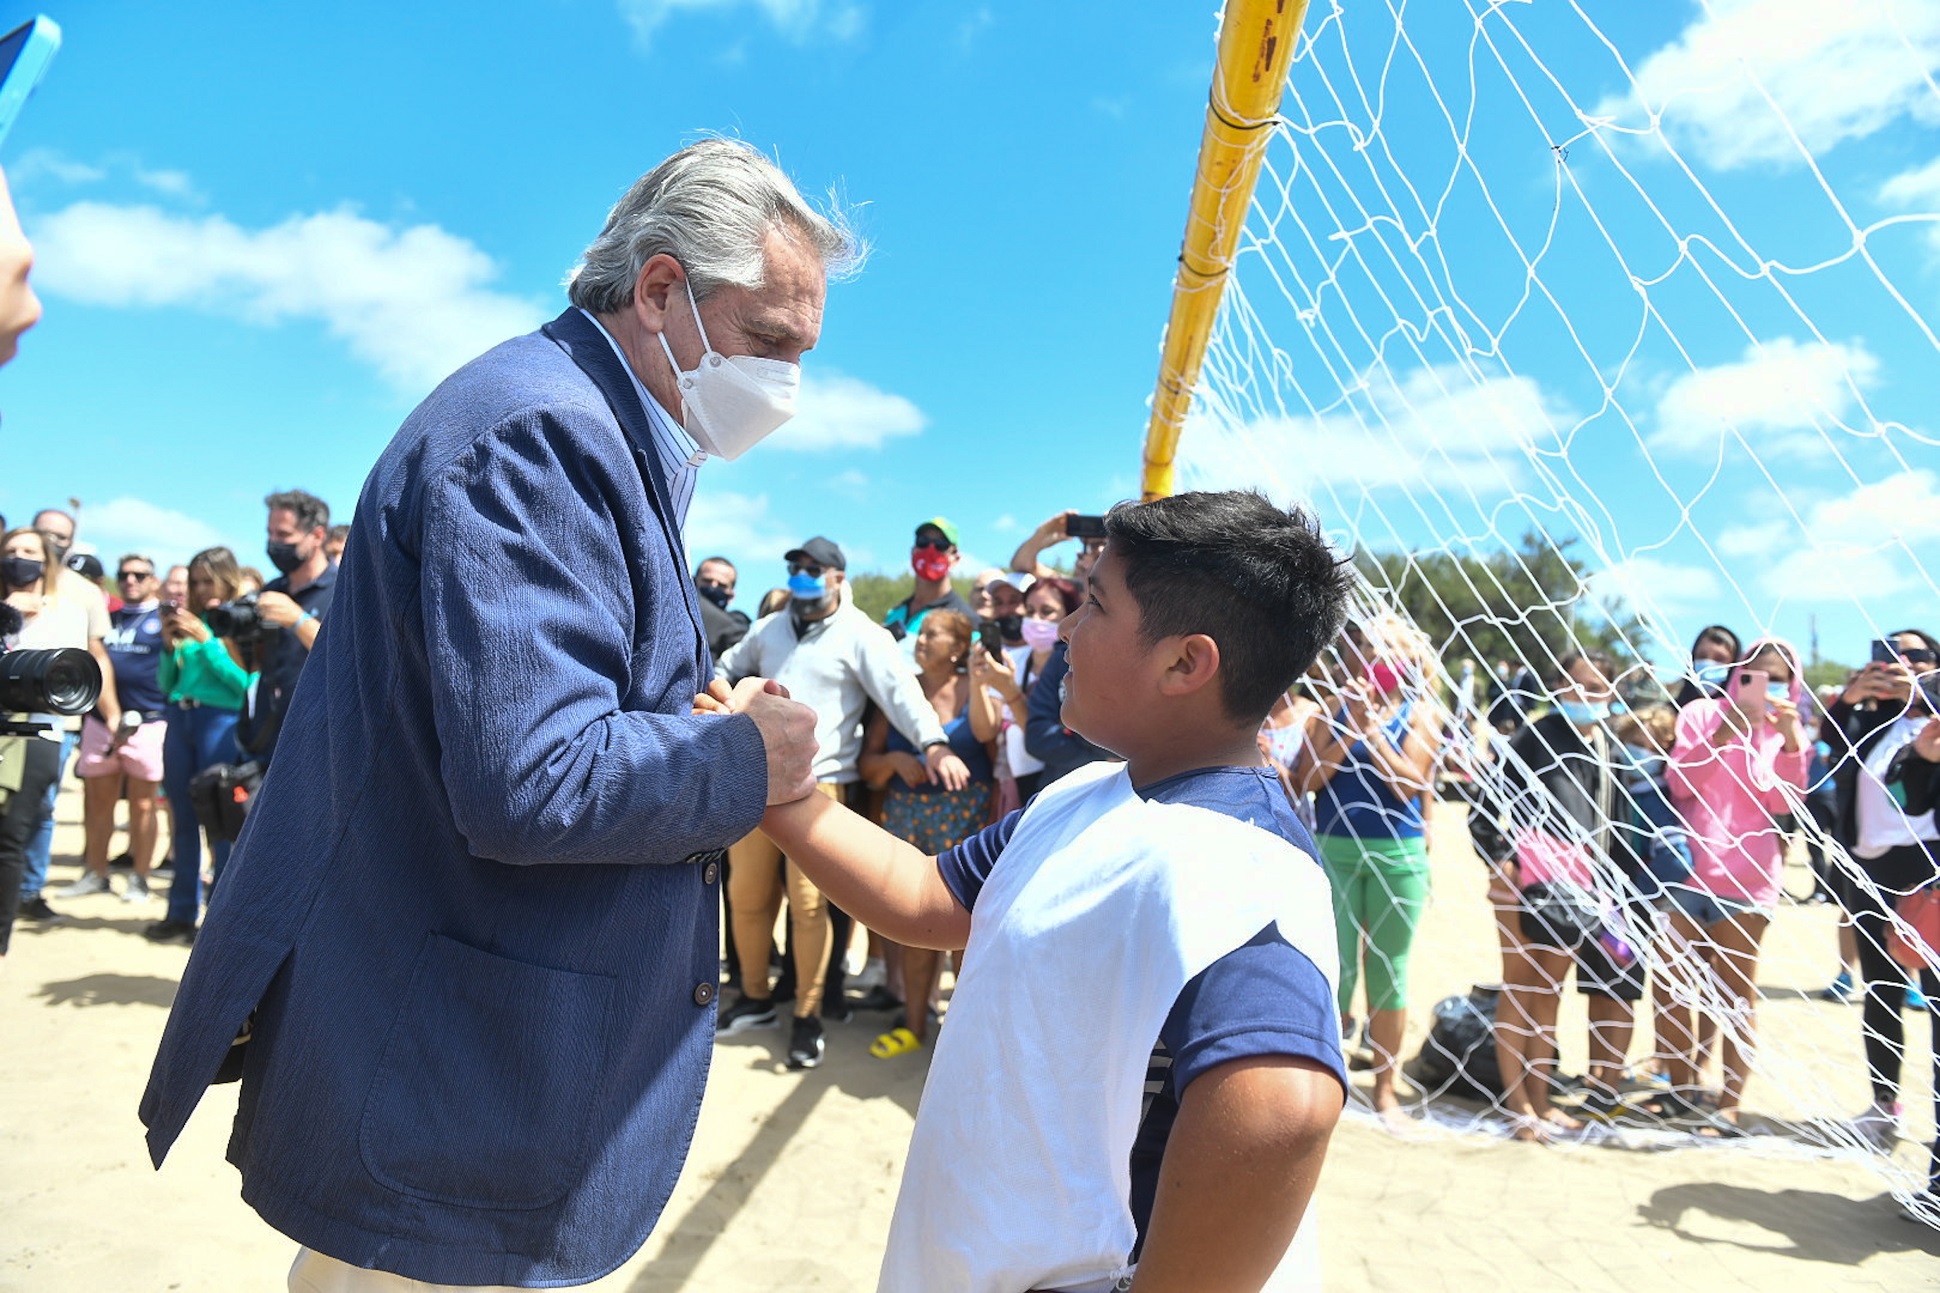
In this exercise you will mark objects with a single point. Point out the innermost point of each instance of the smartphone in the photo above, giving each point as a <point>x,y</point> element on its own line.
<point>1749,694</point>
<point>1079,526</point>
<point>992,637</point>
<point>25,53</point>
<point>1885,652</point>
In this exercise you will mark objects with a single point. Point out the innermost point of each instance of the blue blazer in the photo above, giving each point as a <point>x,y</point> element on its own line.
<point>474,908</point>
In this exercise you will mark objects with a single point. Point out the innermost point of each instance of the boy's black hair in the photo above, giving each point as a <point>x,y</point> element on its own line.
<point>1261,582</point>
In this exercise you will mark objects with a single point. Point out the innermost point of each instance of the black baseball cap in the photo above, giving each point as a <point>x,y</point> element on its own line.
<point>86,563</point>
<point>821,551</point>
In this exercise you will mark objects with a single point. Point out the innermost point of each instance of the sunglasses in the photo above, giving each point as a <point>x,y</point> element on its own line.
<point>1918,655</point>
<point>808,568</point>
<point>124,576</point>
<point>934,542</point>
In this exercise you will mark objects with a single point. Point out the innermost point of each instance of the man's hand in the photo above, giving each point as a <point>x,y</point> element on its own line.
<point>278,609</point>
<point>946,768</point>
<point>19,307</point>
<point>787,733</point>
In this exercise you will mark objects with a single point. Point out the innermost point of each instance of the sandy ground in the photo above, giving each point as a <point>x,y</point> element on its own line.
<point>792,1176</point>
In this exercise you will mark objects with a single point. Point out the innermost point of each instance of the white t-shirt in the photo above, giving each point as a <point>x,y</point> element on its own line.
<point>1883,823</point>
<point>61,622</point>
<point>1022,764</point>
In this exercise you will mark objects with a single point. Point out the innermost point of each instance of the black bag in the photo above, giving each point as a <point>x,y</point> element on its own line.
<point>1459,1056</point>
<point>221,795</point>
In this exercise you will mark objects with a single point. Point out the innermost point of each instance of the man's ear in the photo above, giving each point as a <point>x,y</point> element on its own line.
<point>1194,664</point>
<point>655,291</point>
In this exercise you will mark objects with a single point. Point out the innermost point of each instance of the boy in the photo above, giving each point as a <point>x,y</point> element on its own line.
<point>1141,1066</point>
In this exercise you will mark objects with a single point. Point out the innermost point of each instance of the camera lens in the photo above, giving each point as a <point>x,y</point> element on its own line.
<point>59,681</point>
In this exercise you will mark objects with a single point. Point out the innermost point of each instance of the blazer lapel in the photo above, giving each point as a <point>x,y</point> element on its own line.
<point>584,344</point>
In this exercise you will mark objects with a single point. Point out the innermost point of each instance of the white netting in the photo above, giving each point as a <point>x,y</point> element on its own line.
<point>1602,328</point>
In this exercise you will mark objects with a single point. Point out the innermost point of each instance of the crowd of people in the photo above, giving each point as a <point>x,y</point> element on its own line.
<point>198,663</point>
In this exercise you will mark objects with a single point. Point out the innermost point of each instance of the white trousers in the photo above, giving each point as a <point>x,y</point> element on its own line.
<point>315,1273</point>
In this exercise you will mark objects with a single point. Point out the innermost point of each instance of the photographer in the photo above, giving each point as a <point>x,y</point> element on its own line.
<point>52,618</point>
<point>202,676</point>
<point>291,610</point>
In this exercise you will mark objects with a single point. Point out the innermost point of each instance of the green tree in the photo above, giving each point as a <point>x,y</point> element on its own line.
<point>1524,603</point>
<point>875,593</point>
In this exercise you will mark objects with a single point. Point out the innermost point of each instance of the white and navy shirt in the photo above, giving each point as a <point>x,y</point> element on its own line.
<point>680,457</point>
<point>1123,942</point>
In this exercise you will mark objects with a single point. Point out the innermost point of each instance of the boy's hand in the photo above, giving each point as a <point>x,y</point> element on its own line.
<point>787,733</point>
<point>714,700</point>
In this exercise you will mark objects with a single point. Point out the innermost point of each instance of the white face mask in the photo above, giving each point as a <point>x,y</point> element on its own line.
<point>731,403</point>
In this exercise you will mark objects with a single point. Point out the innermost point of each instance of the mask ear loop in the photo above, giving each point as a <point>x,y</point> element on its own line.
<point>707,347</point>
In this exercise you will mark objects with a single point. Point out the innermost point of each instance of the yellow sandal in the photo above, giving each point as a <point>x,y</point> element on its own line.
<point>897,1041</point>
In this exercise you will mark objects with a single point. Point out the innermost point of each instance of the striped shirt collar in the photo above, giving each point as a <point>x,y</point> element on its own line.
<point>680,457</point>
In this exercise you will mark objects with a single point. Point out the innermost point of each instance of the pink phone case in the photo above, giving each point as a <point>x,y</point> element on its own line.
<point>1748,691</point>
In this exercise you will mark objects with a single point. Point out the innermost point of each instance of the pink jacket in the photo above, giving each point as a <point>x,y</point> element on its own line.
<point>1728,796</point>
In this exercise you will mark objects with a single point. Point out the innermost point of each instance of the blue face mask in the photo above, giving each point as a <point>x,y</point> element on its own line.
<point>1712,672</point>
<point>1642,756</point>
<point>804,587</point>
<point>1583,713</point>
<point>1779,690</point>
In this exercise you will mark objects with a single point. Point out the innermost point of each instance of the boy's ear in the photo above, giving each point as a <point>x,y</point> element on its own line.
<point>1194,664</point>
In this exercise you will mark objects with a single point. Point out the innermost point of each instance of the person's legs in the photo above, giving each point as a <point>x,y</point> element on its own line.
<point>40,846</point>
<point>18,821</point>
<point>1392,899</point>
<point>142,823</point>
<point>99,795</point>
<point>809,920</point>
<point>216,743</point>
<point>178,768</point>
<point>921,969</point>
<point>1341,859</point>
<point>753,869</point>
<point>1735,962</point>
<point>1525,1035</point>
<point>1680,982</point>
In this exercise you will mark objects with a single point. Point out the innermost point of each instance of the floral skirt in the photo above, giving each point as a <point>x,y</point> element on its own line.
<point>934,820</point>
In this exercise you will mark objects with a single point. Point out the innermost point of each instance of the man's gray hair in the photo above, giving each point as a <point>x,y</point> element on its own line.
<point>710,207</point>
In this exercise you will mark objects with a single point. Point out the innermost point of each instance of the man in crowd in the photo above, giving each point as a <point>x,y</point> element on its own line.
<point>130,753</point>
<point>464,954</point>
<point>933,558</point>
<point>1028,558</point>
<point>714,580</point>
<point>834,659</point>
<point>333,543</point>
<point>58,527</point>
<point>292,606</point>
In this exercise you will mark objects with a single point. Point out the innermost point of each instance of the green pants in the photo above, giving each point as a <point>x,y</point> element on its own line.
<point>1380,888</point>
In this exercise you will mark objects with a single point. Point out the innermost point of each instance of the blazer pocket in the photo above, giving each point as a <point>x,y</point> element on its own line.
<point>485,1094</point>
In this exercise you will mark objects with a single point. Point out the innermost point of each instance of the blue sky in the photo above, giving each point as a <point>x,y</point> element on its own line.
<point>266,230</point>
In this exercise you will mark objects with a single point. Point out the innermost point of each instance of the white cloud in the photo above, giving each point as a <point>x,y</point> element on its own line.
<point>740,527</point>
<point>973,26</point>
<point>1917,187</point>
<point>1437,427</point>
<point>51,164</point>
<point>1656,586</point>
<point>1778,397</point>
<point>123,525</point>
<point>1837,70</point>
<point>835,411</point>
<point>1004,524</point>
<point>795,19</point>
<point>1852,546</point>
<point>413,302</point>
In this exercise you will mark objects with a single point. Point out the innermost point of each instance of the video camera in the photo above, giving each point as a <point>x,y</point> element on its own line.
<point>64,680</point>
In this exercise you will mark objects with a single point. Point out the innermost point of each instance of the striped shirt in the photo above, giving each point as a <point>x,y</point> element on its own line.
<point>680,457</point>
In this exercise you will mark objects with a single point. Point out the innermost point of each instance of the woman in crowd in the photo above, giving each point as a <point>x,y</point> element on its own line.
<point>1550,828</point>
<point>1917,842</point>
<point>1049,600</point>
<point>49,620</point>
<point>1739,762</point>
<point>1873,729</point>
<point>1372,757</point>
<point>1713,653</point>
<point>1283,743</point>
<point>919,810</point>
<point>205,682</point>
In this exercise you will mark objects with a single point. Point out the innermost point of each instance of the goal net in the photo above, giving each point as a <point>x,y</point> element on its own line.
<point>1593,326</point>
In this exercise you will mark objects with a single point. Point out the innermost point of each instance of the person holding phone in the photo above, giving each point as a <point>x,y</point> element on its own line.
<point>1739,762</point>
<point>1088,530</point>
<point>1885,710</point>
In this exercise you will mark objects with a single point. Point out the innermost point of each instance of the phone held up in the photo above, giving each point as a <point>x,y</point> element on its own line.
<point>991,634</point>
<point>25,53</point>
<point>1080,526</point>
<point>1748,692</point>
<point>1885,652</point>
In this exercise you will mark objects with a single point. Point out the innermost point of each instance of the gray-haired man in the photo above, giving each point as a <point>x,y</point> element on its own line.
<point>471,924</point>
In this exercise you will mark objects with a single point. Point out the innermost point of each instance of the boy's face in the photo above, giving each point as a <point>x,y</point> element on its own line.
<point>1113,673</point>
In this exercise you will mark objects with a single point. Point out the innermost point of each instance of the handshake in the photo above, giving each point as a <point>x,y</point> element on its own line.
<point>788,735</point>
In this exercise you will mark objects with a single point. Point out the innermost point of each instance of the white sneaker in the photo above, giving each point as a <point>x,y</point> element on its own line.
<point>86,887</point>
<point>1879,1126</point>
<point>874,972</point>
<point>136,890</point>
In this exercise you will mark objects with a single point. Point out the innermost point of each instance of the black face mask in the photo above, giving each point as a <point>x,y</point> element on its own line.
<point>715,593</point>
<point>284,556</point>
<point>21,572</point>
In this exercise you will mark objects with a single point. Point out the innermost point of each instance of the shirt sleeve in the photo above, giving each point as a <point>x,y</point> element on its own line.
<point>968,863</point>
<point>1265,998</point>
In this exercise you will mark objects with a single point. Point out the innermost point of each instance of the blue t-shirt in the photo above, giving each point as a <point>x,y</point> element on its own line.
<point>1357,802</point>
<point>1265,998</point>
<point>963,743</point>
<point>134,643</point>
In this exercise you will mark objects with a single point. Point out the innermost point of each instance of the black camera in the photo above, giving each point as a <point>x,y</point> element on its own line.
<point>240,621</point>
<point>64,680</point>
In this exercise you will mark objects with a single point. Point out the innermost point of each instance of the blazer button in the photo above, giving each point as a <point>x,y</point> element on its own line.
<point>710,873</point>
<point>703,993</point>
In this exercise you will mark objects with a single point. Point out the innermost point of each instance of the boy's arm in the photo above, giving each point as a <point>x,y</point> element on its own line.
<point>886,884</point>
<point>1239,1169</point>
